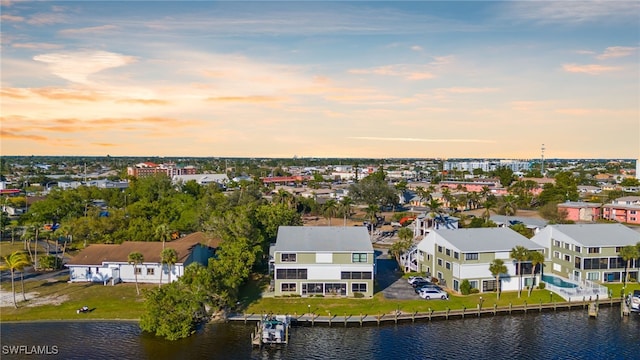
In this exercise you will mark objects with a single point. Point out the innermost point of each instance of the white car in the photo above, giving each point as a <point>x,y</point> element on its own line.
<point>432,293</point>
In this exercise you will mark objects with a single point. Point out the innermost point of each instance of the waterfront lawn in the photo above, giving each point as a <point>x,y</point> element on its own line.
<point>617,287</point>
<point>107,302</point>
<point>378,305</point>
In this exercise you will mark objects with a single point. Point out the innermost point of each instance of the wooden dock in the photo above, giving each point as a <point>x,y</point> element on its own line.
<point>431,315</point>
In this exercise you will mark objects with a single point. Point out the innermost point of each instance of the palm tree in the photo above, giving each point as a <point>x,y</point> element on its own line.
<point>135,258</point>
<point>509,206</point>
<point>371,212</point>
<point>163,233</point>
<point>627,253</point>
<point>168,256</point>
<point>435,206</point>
<point>520,254</point>
<point>345,208</point>
<point>536,258</point>
<point>498,267</point>
<point>13,262</point>
<point>638,261</point>
<point>488,206</point>
<point>329,209</point>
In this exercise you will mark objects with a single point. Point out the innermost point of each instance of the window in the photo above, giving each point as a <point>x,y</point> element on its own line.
<point>359,257</point>
<point>448,265</point>
<point>357,275</point>
<point>474,284</point>
<point>556,243</point>
<point>567,258</point>
<point>556,254</point>
<point>567,246</point>
<point>596,263</point>
<point>616,263</point>
<point>618,249</point>
<point>439,248</point>
<point>578,248</point>
<point>440,275</point>
<point>456,285</point>
<point>288,287</point>
<point>335,289</point>
<point>489,285</point>
<point>448,252</point>
<point>151,271</point>
<point>138,270</point>
<point>612,277</point>
<point>456,255</point>
<point>439,262</point>
<point>312,288</point>
<point>471,256</point>
<point>288,257</point>
<point>593,250</point>
<point>577,262</point>
<point>358,287</point>
<point>291,274</point>
<point>594,276</point>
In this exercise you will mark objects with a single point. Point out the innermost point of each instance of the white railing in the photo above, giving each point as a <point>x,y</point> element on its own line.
<point>584,290</point>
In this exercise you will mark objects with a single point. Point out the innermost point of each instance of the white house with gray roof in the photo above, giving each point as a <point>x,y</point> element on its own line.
<point>587,251</point>
<point>323,260</point>
<point>465,254</point>
<point>202,179</point>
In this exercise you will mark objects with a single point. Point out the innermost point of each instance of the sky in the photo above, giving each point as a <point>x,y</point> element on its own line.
<point>367,79</point>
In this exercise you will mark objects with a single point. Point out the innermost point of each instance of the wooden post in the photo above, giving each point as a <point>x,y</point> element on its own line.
<point>540,308</point>
<point>525,306</point>
<point>360,319</point>
<point>464,308</point>
<point>345,319</point>
<point>447,315</point>
<point>495,309</point>
<point>510,307</point>
<point>413,317</point>
<point>313,319</point>
<point>430,313</point>
<point>245,318</point>
<point>378,319</point>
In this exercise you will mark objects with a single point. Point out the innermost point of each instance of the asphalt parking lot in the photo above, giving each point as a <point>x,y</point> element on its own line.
<point>390,280</point>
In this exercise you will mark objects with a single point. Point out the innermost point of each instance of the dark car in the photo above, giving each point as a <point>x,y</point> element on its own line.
<point>417,284</point>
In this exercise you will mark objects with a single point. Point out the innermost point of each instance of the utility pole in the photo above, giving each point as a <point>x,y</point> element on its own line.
<point>542,163</point>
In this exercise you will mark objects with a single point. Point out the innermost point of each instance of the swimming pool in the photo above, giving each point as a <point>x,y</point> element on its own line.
<point>550,279</point>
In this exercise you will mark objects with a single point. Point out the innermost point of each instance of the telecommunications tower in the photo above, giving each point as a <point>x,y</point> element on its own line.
<point>542,157</point>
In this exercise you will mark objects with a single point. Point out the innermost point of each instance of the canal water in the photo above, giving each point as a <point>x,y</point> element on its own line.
<point>547,335</point>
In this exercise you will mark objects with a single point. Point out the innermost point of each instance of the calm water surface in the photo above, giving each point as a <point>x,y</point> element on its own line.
<point>561,335</point>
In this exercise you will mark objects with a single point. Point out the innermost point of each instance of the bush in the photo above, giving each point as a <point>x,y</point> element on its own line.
<point>49,262</point>
<point>542,285</point>
<point>358,295</point>
<point>465,287</point>
<point>474,291</point>
<point>319,295</point>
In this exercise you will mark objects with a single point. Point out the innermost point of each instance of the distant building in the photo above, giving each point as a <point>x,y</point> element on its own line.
<point>580,211</point>
<point>625,209</point>
<point>202,179</point>
<point>149,169</point>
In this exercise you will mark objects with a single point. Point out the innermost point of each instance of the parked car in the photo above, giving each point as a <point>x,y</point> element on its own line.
<point>413,279</point>
<point>430,293</point>
<point>428,286</point>
<point>417,284</point>
<point>635,301</point>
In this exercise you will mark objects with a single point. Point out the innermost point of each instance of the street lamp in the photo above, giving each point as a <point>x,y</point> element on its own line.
<point>309,307</point>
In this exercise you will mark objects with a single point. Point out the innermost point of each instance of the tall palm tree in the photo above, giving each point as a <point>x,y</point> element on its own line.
<point>168,256</point>
<point>520,254</point>
<point>627,253</point>
<point>509,206</point>
<point>345,208</point>
<point>435,206</point>
<point>488,205</point>
<point>13,262</point>
<point>536,258</point>
<point>498,267</point>
<point>371,214</point>
<point>163,233</point>
<point>135,258</point>
<point>329,209</point>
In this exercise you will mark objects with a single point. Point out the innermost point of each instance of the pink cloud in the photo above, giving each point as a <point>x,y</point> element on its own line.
<point>591,69</point>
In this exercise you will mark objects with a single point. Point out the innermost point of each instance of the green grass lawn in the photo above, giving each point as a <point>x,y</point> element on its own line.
<point>6,247</point>
<point>108,302</point>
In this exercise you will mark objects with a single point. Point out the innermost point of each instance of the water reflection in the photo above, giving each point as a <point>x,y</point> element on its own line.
<point>565,334</point>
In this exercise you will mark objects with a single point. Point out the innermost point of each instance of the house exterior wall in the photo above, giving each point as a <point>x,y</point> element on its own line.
<point>124,272</point>
<point>324,274</point>
<point>568,258</point>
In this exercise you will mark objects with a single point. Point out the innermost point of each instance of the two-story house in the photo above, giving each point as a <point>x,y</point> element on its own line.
<point>323,260</point>
<point>452,256</point>
<point>625,209</point>
<point>587,251</point>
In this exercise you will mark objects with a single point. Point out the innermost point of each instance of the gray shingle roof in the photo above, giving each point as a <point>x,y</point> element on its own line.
<point>486,239</point>
<point>323,238</point>
<point>599,234</point>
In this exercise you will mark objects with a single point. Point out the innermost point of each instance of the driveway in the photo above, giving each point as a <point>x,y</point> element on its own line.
<point>390,281</point>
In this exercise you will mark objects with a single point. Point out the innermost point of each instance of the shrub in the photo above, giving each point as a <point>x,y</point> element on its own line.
<point>541,286</point>
<point>474,291</point>
<point>319,295</point>
<point>465,287</point>
<point>434,280</point>
<point>358,295</point>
